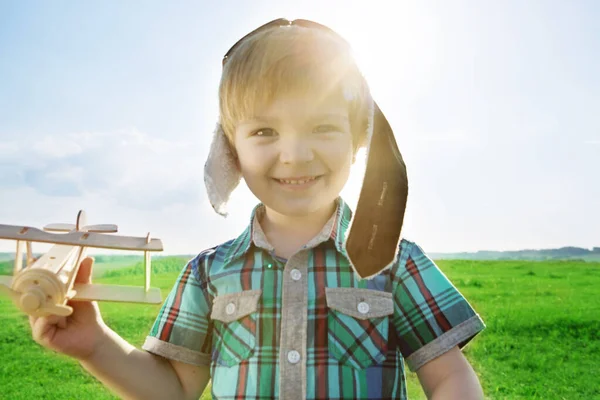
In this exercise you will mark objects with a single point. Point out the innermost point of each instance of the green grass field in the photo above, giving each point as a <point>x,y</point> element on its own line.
<point>542,339</point>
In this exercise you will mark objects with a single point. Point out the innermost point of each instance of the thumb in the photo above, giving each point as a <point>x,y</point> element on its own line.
<point>84,275</point>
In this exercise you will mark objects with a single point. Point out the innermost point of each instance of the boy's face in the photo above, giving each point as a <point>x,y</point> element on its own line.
<point>295,154</point>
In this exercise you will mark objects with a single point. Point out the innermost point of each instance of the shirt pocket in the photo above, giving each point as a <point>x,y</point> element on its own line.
<point>358,325</point>
<point>235,318</point>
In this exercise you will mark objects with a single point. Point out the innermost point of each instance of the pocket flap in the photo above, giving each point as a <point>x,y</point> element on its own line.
<point>360,303</point>
<point>233,306</point>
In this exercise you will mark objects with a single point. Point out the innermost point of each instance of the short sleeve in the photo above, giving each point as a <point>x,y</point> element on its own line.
<point>430,315</point>
<point>182,330</point>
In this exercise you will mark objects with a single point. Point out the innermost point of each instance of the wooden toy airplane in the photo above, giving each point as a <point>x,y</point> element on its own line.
<point>45,285</point>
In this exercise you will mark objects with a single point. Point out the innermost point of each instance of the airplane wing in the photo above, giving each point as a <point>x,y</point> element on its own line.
<point>87,239</point>
<point>102,228</point>
<point>100,292</point>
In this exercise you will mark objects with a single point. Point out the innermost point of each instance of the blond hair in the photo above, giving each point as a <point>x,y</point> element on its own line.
<point>291,60</point>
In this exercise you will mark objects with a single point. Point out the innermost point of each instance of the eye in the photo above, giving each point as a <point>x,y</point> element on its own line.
<point>264,132</point>
<point>325,128</point>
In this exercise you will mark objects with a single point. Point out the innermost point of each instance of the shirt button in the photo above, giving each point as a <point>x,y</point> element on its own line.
<point>293,357</point>
<point>363,308</point>
<point>230,309</point>
<point>296,275</point>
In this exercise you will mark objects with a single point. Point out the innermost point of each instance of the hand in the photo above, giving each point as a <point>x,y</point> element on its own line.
<point>78,335</point>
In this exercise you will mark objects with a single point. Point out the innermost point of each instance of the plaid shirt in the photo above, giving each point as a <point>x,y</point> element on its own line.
<point>308,327</point>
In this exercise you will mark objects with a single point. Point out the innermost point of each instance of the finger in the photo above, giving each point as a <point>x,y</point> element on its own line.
<point>36,327</point>
<point>42,325</point>
<point>84,275</point>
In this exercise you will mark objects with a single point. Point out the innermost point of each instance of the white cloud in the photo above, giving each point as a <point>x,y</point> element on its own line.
<point>56,147</point>
<point>7,149</point>
<point>128,166</point>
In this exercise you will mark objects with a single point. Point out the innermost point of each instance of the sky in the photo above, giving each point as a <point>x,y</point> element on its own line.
<point>109,106</point>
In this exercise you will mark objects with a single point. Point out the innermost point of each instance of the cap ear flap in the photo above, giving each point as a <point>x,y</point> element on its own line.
<point>221,172</point>
<point>374,233</point>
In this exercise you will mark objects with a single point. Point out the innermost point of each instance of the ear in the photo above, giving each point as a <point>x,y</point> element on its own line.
<point>221,171</point>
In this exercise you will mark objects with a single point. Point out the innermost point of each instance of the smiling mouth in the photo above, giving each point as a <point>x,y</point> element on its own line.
<point>297,181</point>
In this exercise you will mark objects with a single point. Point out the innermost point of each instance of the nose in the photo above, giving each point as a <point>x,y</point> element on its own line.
<point>296,150</point>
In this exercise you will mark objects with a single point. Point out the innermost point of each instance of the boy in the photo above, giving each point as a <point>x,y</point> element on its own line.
<point>283,311</point>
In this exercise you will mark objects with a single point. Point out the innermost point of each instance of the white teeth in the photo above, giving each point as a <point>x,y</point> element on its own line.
<point>296,182</point>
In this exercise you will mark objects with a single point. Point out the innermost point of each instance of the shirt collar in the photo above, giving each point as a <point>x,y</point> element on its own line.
<point>335,230</point>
